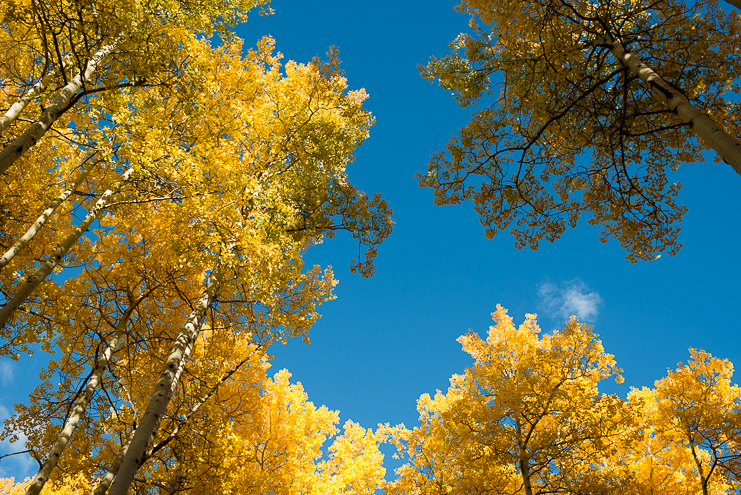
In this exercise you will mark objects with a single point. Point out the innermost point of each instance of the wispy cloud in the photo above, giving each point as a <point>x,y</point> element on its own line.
<point>6,372</point>
<point>570,298</point>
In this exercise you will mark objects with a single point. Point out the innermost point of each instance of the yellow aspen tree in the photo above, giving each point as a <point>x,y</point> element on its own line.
<point>11,152</point>
<point>255,180</point>
<point>695,409</point>
<point>650,463</point>
<point>518,420</point>
<point>586,109</point>
<point>96,375</point>
<point>157,405</point>
<point>41,220</point>
<point>33,281</point>
<point>36,219</point>
<point>110,51</point>
<point>269,439</point>
<point>274,445</point>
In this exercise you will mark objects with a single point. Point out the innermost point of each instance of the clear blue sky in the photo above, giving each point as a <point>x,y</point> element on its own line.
<point>386,340</point>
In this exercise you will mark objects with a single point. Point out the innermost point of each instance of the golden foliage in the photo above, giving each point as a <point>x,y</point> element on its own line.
<point>565,131</point>
<point>527,418</point>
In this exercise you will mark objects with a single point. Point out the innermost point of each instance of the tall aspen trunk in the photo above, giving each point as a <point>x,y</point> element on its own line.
<point>105,482</point>
<point>38,482</point>
<point>198,405</point>
<point>16,108</point>
<point>710,132</point>
<point>157,407</point>
<point>53,261</point>
<point>36,226</point>
<point>56,108</point>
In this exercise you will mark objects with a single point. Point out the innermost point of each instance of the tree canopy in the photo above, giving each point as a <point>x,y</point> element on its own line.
<point>527,418</point>
<point>245,154</point>
<point>585,110</point>
<point>162,184</point>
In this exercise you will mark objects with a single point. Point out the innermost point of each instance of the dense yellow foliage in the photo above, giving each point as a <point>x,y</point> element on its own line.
<point>527,418</point>
<point>204,163</point>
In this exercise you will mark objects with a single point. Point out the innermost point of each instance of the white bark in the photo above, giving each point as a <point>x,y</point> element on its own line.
<point>710,132</point>
<point>157,407</point>
<point>198,405</point>
<point>105,482</point>
<point>16,108</point>
<point>56,108</point>
<point>38,482</point>
<point>36,226</point>
<point>53,261</point>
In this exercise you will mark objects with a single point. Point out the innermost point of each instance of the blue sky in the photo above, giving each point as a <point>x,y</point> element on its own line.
<point>384,341</point>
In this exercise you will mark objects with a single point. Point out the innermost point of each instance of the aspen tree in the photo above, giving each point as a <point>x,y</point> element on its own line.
<point>714,136</point>
<point>40,479</point>
<point>163,391</point>
<point>571,127</point>
<point>110,51</point>
<point>33,281</point>
<point>36,226</point>
<point>275,448</point>
<point>517,419</point>
<point>11,152</point>
<point>694,409</point>
<point>258,177</point>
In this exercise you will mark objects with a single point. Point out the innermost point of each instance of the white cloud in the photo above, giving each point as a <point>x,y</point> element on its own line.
<point>6,372</point>
<point>570,298</point>
<point>15,466</point>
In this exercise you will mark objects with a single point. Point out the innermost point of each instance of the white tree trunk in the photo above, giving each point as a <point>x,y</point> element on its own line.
<point>16,108</point>
<point>710,132</point>
<point>38,482</point>
<point>157,407</point>
<point>105,482</point>
<point>198,405</point>
<point>36,226</point>
<point>34,280</point>
<point>56,108</point>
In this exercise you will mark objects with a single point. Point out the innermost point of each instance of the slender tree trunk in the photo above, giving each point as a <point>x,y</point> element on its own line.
<point>56,108</point>
<point>52,460</point>
<point>173,387</point>
<point>116,464</point>
<point>735,3</point>
<point>36,226</point>
<point>16,108</point>
<point>105,482</point>
<point>198,405</point>
<point>52,262</point>
<point>698,463</point>
<point>713,135</point>
<point>162,394</point>
<point>524,463</point>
